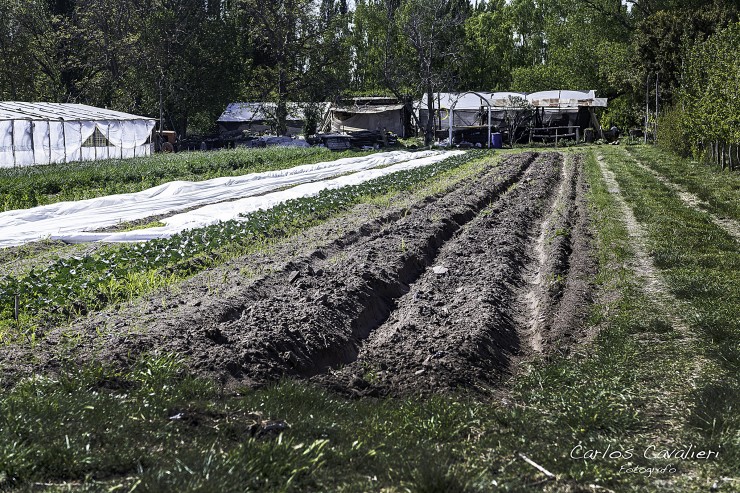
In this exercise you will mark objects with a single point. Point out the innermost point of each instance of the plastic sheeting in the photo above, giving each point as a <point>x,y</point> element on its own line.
<point>225,211</point>
<point>67,219</point>
<point>47,133</point>
<point>391,121</point>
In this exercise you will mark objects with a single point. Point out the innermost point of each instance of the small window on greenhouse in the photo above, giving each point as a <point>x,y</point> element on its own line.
<point>97,139</point>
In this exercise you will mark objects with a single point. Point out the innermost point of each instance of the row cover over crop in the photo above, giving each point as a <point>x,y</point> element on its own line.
<point>77,285</point>
<point>225,211</point>
<point>67,220</point>
<point>31,186</point>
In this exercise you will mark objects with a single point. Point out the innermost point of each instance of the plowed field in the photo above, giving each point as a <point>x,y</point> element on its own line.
<point>447,292</point>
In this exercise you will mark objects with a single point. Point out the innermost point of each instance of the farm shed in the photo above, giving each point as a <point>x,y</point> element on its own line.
<point>372,113</point>
<point>566,108</point>
<point>552,109</point>
<point>259,117</point>
<point>470,109</point>
<point>47,133</point>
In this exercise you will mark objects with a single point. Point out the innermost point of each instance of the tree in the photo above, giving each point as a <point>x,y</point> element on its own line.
<point>709,92</point>
<point>431,28</point>
<point>488,49</point>
<point>663,40</point>
<point>293,43</point>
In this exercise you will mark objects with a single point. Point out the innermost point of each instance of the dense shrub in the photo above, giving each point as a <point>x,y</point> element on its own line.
<point>674,132</point>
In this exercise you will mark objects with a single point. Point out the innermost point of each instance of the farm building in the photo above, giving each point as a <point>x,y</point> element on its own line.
<point>259,117</point>
<point>471,109</point>
<point>566,108</point>
<point>47,133</point>
<point>476,112</point>
<point>371,113</point>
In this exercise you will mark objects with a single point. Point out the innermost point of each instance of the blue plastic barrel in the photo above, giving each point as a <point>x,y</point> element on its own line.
<point>496,140</point>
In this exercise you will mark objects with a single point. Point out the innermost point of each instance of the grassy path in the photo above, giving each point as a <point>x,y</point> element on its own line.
<point>699,263</point>
<point>731,226</point>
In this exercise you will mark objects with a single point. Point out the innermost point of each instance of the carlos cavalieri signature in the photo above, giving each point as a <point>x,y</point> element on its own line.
<point>651,452</point>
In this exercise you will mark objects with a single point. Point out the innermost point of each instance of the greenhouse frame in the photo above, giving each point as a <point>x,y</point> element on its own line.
<point>49,133</point>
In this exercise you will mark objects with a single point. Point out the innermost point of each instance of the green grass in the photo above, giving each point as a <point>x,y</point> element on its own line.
<point>701,265</point>
<point>720,190</point>
<point>101,429</point>
<point>30,186</point>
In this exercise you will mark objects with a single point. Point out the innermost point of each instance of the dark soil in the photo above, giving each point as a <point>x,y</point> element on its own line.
<point>364,310</point>
<point>560,289</point>
<point>457,328</point>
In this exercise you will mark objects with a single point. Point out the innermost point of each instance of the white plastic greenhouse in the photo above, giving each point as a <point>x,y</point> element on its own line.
<point>47,133</point>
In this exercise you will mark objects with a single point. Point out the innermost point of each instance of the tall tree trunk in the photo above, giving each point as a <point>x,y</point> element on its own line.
<point>281,113</point>
<point>429,130</point>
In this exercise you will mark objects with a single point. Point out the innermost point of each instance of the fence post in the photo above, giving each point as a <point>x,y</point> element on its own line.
<point>12,141</point>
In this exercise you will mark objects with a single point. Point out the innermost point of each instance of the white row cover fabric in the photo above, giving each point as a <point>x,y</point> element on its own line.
<point>48,133</point>
<point>225,211</point>
<point>66,219</point>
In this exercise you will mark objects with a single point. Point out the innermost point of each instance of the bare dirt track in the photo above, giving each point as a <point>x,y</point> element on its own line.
<point>445,294</point>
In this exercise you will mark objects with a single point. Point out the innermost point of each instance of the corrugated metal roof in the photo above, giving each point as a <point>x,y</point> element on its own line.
<point>368,109</point>
<point>259,111</point>
<point>16,110</point>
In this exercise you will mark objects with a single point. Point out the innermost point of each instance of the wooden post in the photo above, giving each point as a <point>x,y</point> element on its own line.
<point>655,139</point>
<point>33,144</point>
<point>647,106</point>
<point>16,308</point>
<point>48,126</point>
<point>64,140</point>
<point>450,123</point>
<point>12,140</point>
<point>489,127</point>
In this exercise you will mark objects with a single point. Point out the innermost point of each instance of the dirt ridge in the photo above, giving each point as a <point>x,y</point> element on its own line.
<point>457,328</point>
<point>229,327</point>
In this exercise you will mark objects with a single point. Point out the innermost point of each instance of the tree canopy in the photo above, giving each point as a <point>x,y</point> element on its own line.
<point>189,58</point>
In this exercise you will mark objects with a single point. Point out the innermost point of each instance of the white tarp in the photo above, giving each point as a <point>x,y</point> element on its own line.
<point>565,99</point>
<point>23,142</point>
<point>67,219</point>
<point>225,211</point>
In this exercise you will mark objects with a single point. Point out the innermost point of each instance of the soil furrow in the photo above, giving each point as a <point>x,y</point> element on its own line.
<point>456,327</point>
<point>295,320</point>
<point>540,271</point>
<point>560,287</point>
<point>317,317</point>
<point>576,287</point>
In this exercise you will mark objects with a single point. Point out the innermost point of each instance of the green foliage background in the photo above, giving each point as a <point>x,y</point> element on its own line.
<point>199,55</point>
